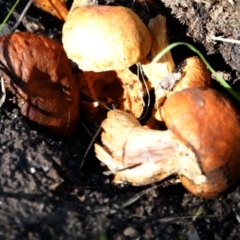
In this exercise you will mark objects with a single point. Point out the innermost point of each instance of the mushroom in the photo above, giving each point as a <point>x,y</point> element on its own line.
<point>57,8</point>
<point>102,38</point>
<point>36,69</point>
<point>121,89</point>
<point>201,143</point>
<point>194,73</point>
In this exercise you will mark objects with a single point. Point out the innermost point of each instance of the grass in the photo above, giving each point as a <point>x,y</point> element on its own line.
<point>217,76</point>
<point>9,15</point>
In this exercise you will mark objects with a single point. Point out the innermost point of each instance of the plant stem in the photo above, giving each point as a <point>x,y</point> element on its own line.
<point>191,47</point>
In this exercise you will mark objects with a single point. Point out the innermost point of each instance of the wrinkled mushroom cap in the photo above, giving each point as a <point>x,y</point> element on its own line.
<point>37,70</point>
<point>207,123</point>
<point>102,38</point>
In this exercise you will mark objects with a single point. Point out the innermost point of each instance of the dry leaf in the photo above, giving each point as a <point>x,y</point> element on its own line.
<point>55,7</point>
<point>37,70</point>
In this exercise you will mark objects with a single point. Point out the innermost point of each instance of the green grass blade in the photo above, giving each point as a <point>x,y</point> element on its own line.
<point>191,47</point>
<point>9,14</point>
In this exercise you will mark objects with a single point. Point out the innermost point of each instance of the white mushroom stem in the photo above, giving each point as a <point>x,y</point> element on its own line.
<point>141,156</point>
<point>156,71</point>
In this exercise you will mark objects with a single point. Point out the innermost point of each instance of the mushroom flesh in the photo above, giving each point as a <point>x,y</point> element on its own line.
<point>201,144</point>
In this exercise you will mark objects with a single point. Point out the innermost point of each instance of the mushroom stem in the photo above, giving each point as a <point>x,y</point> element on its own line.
<point>130,149</point>
<point>164,66</point>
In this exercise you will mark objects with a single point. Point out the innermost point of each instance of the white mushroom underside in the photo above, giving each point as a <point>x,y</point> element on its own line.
<point>141,156</point>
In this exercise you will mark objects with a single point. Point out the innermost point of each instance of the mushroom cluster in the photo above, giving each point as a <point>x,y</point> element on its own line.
<point>201,142</point>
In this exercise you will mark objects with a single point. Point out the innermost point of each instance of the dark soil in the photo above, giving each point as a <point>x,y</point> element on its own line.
<point>44,196</point>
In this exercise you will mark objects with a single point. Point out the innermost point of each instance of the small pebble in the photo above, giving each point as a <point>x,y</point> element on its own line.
<point>130,232</point>
<point>32,170</point>
<point>45,168</point>
<point>193,235</point>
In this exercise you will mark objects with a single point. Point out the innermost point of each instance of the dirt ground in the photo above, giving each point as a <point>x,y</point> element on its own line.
<point>44,196</point>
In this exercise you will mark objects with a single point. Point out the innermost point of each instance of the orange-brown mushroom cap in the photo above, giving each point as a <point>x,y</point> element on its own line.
<point>206,122</point>
<point>38,71</point>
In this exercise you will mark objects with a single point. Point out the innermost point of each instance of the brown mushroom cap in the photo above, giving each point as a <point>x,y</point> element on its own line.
<point>206,122</point>
<point>37,70</point>
<point>194,74</point>
<point>102,38</point>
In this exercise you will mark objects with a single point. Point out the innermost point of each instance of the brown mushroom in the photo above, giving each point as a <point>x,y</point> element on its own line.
<point>37,70</point>
<point>201,144</point>
<point>194,73</point>
<point>103,38</point>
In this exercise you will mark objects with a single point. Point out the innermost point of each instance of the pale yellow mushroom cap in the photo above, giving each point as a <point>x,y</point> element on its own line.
<point>102,38</point>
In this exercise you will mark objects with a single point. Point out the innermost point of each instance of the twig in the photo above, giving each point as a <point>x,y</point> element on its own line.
<point>86,129</point>
<point>237,215</point>
<point>170,219</point>
<point>3,98</point>
<point>22,15</point>
<point>88,148</point>
<point>140,71</point>
<point>129,201</point>
<point>95,135</point>
<point>226,40</point>
<point>138,195</point>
